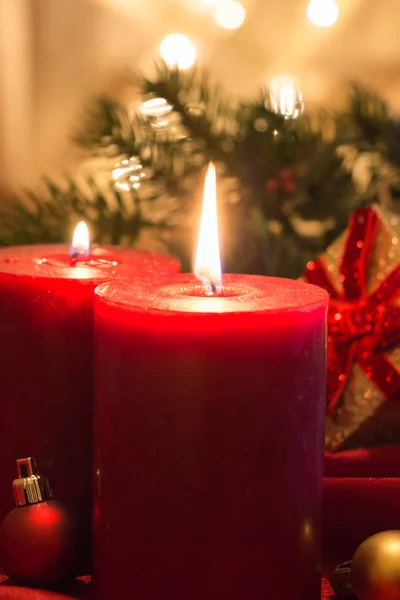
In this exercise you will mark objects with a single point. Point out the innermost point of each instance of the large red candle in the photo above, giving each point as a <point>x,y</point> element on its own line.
<point>46,360</point>
<point>209,420</point>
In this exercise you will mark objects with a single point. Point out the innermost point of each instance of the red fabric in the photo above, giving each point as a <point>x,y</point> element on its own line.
<point>361,497</point>
<point>8,592</point>
<point>19,593</point>
<point>356,508</point>
<point>364,462</point>
<point>79,590</point>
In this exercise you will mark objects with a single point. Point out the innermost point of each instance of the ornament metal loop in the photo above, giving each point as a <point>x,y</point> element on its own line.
<point>340,580</point>
<point>30,487</point>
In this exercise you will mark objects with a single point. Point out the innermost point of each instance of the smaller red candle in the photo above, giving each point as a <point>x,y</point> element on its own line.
<point>209,421</point>
<point>46,357</point>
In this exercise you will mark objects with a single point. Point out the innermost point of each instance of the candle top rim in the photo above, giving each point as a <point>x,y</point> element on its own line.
<point>25,261</point>
<point>182,293</point>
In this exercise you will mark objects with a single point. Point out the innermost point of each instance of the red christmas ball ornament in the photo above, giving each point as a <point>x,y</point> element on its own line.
<point>38,539</point>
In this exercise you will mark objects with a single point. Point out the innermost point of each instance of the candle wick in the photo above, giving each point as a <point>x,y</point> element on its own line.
<point>211,288</point>
<point>74,258</point>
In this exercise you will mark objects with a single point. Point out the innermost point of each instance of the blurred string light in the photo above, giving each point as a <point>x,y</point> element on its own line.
<point>323,13</point>
<point>178,51</point>
<point>285,97</point>
<point>230,14</point>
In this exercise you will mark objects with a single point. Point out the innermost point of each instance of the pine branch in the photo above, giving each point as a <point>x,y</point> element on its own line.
<point>49,217</point>
<point>203,111</point>
<point>368,124</point>
<point>279,171</point>
<point>367,114</point>
<point>107,125</point>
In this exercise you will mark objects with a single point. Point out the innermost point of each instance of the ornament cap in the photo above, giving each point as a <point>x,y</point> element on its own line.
<point>30,487</point>
<point>341,582</point>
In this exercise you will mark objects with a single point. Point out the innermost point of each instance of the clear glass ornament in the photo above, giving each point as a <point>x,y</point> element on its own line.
<point>158,112</point>
<point>155,108</point>
<point>176,131</point>
<point>285,97</point>
<point>164,121</point>
<point>127,174</point>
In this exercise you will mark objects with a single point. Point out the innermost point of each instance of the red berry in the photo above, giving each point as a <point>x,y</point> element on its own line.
<point>286,174</point>
<point>272,185</point>
<point>288,186</point>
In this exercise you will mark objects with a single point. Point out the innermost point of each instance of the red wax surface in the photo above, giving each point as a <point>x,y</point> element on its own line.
<point>209,421</point>
<point>46,361</point>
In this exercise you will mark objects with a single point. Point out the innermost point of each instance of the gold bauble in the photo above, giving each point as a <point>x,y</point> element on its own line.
<point>375,568</point>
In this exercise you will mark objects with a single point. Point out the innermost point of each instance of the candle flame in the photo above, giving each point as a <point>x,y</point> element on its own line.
<point>207,266</point>
<point>80,245</point>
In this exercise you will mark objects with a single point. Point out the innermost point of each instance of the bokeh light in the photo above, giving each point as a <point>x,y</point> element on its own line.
<point>285,97</point>
<point>178,51</point>
<point>323,13</point>
<point>230,14</point>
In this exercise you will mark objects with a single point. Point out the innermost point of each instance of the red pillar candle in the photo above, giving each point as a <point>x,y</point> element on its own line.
<point>209,420</point>
<point>46,359</point>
